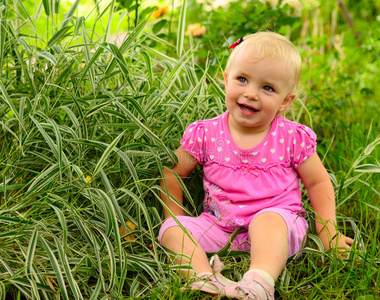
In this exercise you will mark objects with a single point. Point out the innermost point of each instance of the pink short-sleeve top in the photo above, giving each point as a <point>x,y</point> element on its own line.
<point>238,182</point>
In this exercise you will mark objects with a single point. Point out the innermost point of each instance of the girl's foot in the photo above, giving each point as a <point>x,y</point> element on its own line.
<point>205,282</point>
<point>211,283</point>
<point>251,287</point>
<point>217,267</point>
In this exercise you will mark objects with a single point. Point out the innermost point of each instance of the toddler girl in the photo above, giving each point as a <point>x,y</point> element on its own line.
<point>253,159</point>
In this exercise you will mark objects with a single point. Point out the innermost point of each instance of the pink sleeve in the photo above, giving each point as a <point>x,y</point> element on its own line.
<point>305,144</point>
<point>193,140</point>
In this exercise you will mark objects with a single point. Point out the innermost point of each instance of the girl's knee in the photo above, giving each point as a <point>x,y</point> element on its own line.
<point>168,235</point>
<point>172,234</point>
<point>168,224</point>
<point>269,217</point>
<point>270,224</point>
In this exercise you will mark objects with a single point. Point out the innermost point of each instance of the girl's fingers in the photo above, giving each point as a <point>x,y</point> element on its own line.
<point>349,241</point>
<point>344,243</point>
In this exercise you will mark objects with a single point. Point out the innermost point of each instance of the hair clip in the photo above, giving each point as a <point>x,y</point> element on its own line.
<point>236,43</point>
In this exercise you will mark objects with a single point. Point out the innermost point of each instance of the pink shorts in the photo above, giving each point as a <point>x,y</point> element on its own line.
<point>212,237</point>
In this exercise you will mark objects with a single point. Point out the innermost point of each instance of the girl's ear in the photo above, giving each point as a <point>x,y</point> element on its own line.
<point>286,103</point>
<point>225,77</point>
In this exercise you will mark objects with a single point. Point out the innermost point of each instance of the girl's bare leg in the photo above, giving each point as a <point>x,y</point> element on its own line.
<point>176,240</point>
<point>269,251</point>
<point>269,243</point>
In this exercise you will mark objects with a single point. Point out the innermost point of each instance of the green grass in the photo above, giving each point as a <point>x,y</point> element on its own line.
<point>75,105</point>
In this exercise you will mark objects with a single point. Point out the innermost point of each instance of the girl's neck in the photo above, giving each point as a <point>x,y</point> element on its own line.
<point>247,137</point>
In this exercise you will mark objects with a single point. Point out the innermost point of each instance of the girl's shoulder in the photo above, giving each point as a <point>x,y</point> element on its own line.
<point>207,125</point>
<point>218,120</point>
<point>294,140</point>
<point>195,138</point>
<point>284,126</point>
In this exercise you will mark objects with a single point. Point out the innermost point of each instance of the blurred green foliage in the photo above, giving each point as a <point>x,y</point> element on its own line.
<point>224,25</point>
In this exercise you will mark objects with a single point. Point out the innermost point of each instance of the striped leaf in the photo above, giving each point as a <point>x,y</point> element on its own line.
<point>58,36</point>
<point>96,291</point>
<point>181,28</point>
<point>56,268</point>
<point>63,223</point>
<point>112,48</point>
<point>68,274</point>
<point>126,44</point>
<point>368,168</point>
<point>10,104</point>
<point>70,13</point>
<point>111,255</point>
<point>48,56</point>
<point>3,35</point>
<point>56,149</point>
<point>89,61</point>
<point>106,154</point>
<point>31,250</point>
<point>109,22</point>
<point>148,64</point>
<point>146,130</point>
<point>191,96</point>
<point>43,179</point>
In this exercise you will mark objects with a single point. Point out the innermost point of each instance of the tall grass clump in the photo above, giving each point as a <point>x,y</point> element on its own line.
<point>87,127</point>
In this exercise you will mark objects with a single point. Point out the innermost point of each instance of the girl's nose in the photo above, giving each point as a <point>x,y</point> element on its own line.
<point>251,93</point>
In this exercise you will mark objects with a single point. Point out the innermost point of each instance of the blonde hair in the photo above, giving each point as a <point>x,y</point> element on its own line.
<point>273,45</point>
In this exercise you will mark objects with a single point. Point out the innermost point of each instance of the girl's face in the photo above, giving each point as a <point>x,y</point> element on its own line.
<point>256,91</point>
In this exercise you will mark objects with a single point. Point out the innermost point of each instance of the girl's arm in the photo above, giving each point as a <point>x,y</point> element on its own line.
<point>321,193</point>
<point>186,163</point>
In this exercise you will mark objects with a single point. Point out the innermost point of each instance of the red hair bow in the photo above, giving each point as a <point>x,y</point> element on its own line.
<point>236,43</point>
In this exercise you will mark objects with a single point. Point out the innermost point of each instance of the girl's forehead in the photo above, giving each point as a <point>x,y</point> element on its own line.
<point>252,54</point>
<point>251,57</point>
<point>249,61</point>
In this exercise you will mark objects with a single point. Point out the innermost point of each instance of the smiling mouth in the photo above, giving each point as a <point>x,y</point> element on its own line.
<point>247,110</point>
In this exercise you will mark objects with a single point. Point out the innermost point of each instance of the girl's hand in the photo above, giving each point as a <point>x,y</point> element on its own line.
<point>342,243</point>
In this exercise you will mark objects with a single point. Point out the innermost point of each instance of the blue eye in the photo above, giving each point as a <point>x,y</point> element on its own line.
<point>268,88</point>
<point>242,79</point>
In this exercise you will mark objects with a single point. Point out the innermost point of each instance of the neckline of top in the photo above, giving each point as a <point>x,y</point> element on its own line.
<point>259,145</point>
